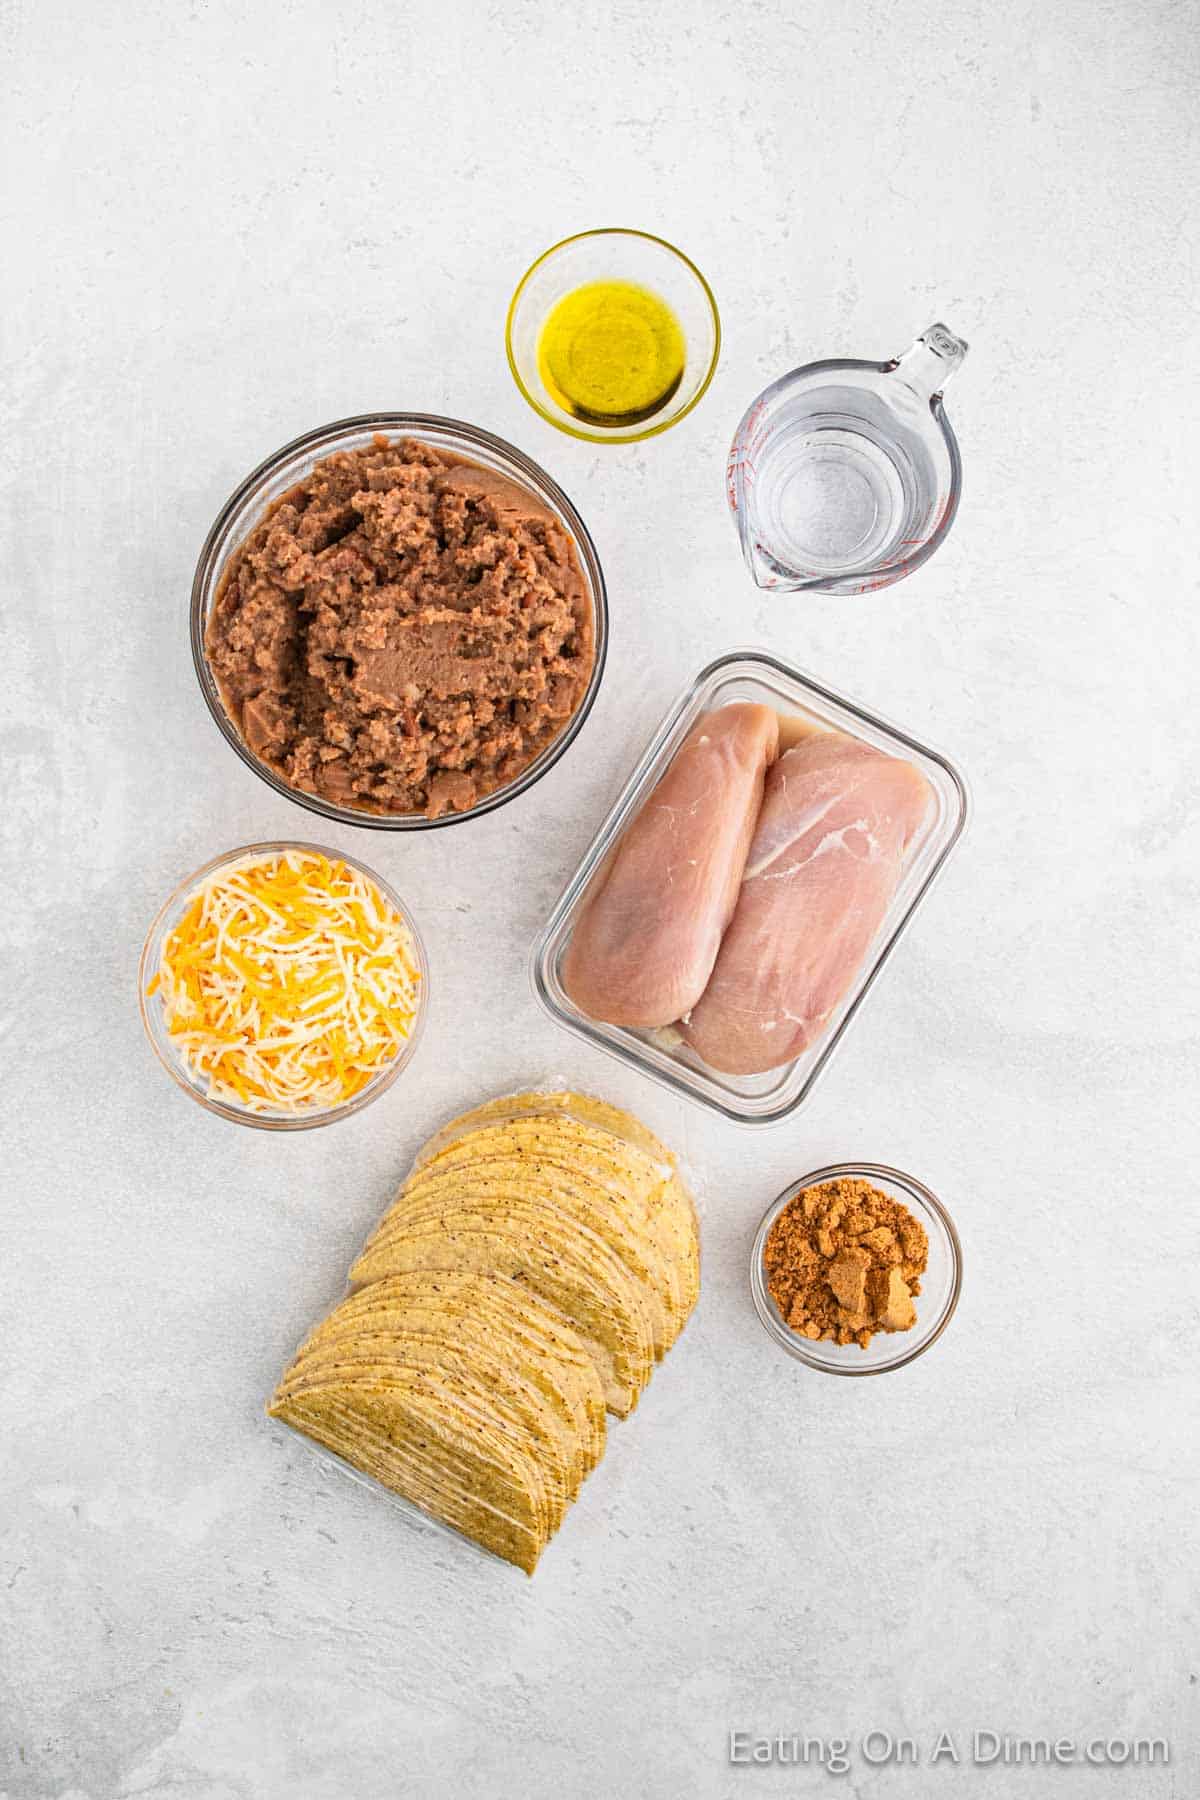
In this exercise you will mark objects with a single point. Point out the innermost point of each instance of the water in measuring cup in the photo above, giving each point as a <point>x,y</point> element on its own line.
<point>838,486</point>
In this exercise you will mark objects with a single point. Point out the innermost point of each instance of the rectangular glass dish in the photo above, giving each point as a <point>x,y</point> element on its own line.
<point>752,675</point>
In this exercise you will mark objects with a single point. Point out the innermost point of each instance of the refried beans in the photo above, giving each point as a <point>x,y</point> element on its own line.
<point>403,632</point>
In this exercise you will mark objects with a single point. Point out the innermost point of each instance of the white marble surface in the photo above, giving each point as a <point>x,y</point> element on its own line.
<point>227,224</point>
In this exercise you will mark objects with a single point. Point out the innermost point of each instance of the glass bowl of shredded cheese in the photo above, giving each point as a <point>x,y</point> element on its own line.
<point>283,985</point>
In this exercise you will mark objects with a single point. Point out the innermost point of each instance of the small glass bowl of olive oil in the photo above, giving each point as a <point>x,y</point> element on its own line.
<point>613,335</point>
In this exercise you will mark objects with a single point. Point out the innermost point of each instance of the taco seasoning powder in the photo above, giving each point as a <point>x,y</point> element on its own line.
<point>843,1261</point>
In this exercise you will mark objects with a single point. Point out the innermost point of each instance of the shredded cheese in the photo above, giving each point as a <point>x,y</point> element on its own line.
<point>289,983</point>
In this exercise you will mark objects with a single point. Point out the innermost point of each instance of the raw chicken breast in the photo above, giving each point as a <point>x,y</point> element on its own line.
<point>647,938</point>
<point>837,818</point>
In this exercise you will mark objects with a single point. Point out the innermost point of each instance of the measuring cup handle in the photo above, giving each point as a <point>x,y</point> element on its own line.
<point>932,360</point>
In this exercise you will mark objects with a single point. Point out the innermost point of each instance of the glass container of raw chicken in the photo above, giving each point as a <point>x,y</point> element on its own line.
<point>754,876</point>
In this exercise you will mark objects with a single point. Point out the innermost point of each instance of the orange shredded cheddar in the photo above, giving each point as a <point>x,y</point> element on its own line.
<point>289,983</point>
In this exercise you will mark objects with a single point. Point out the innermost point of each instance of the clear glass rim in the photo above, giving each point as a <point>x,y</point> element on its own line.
<point>888,573</point>
<point>598,436</point>
<point>801,1348</point>
<point>325,437</point>
<point>269,1121</point>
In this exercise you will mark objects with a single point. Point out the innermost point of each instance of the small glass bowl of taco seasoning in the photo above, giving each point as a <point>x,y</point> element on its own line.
<point>861,1252</point>
<point>613,335</point>
<point>283,985</point>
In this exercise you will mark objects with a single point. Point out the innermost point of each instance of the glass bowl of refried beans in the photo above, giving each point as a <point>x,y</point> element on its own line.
<point>399,621</point>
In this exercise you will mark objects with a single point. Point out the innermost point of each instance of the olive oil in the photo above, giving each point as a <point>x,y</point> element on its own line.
<point>611,353</point>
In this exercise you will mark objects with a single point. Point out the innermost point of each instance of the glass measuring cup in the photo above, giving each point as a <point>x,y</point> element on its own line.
<point>844,476</point>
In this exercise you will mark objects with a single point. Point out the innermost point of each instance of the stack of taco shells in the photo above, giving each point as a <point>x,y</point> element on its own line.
<point>541,1257</point>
